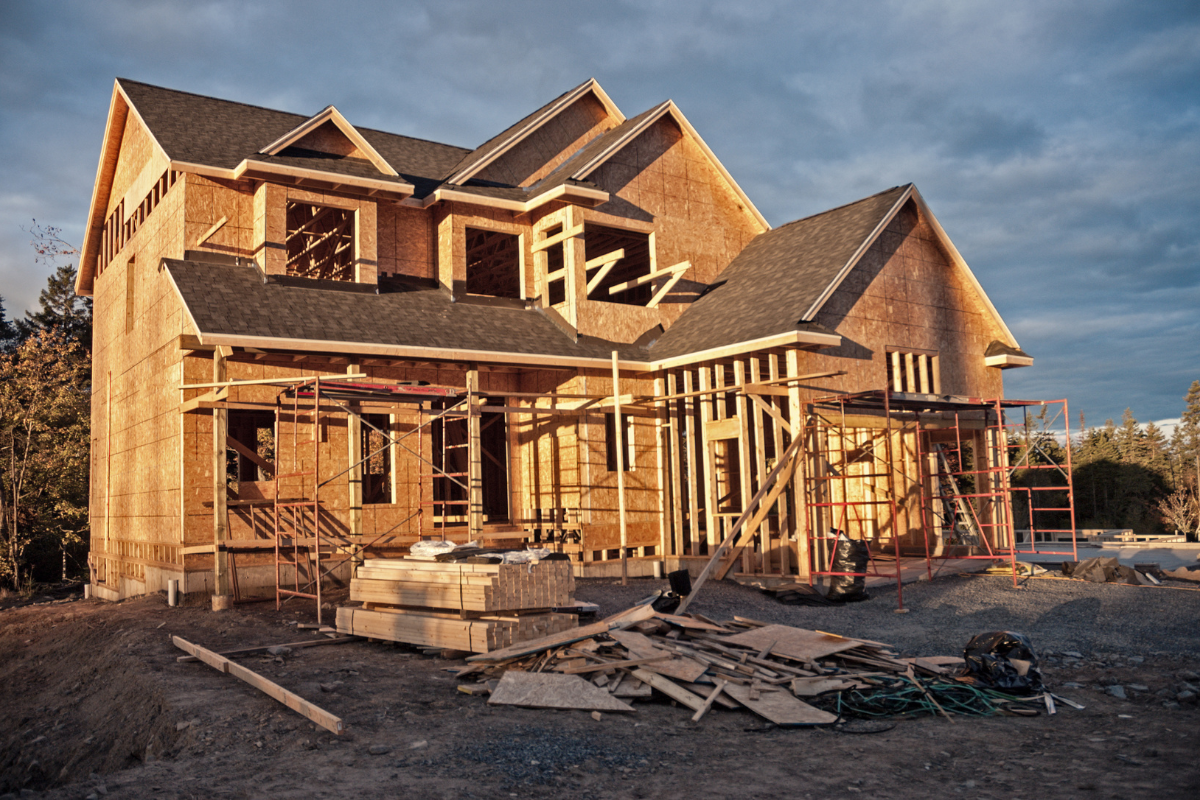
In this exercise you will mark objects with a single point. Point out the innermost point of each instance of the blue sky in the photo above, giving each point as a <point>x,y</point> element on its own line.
<point>1057,142</point>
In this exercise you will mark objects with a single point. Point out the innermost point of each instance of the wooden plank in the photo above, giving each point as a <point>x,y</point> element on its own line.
<point>672,271</point>
<point>691,413</point>
<point>565,637</point>
<point>811,687</point>
<point>781,505</point>
<point>798,643</point>
<point>722,429</point>
<point>712,698</point>
<point>550,241</point>
<point>641,646</point>
<point>675,436</point>
<point>204,401</point>
<point>553,690</point>
<point>289,699</point>
<point>764,508</point>
<point>746,471</point>
<point>670,689</point>
<point>779,707</point>
<point>714,559</point>
<point>249,651</point>
<point>605,665</point>
<point>799,522</point>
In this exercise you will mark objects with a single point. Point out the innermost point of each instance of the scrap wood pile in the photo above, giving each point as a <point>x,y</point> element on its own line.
<point>1101,570</point>
<point>789,676</point>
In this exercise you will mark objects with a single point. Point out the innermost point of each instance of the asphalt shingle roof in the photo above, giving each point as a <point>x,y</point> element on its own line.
<point>776,279</point>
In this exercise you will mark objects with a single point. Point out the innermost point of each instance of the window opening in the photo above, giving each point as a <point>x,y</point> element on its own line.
<point>493,263</point>
<point>377,468</point>
<point>449,447</point>
<point>603,275</point>
<point>611,445</point>
<point>255,432</point>
<point>320,242</point>
<point>556,283</point>
<point>130,292</point>
<point>915,373</point>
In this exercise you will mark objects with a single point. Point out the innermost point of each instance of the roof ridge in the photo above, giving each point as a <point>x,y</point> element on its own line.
<point>302,117</point>
<point>839,208</point>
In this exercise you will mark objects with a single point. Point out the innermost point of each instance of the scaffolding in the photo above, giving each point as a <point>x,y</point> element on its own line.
<point>938,478</point>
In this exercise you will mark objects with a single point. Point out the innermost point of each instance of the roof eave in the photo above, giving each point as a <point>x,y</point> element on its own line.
<point>1008,361</point>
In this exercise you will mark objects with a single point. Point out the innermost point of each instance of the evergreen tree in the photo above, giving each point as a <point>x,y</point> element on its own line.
<point>62,309</point>
<point>1185,443</point>
<point>8,333</point>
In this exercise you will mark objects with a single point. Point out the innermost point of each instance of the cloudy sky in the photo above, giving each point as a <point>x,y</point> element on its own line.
<point>1057,141</point>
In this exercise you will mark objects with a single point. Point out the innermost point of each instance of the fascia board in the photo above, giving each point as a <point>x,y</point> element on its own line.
<point>90,252</point>
<point>251,165</point>
<point>858,254</point>
<point>789,339</point>
<point>1007,361</point>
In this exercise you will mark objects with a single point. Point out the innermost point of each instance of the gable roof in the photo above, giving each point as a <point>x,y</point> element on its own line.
<point>510,137</point>
<point>331,115</point>
<point>594,154</point>
<point>782,278</point>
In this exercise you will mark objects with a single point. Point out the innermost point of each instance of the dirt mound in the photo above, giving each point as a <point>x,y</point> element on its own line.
<point>71,705</point>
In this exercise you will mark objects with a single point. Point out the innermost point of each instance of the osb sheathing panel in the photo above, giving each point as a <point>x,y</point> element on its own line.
<point>663,177</point>
<point>550,145</point>
<point>328,138</point>
<point>407,242</point>
<point>905,293</point>
<point>137,148</point>
<point>208,201</point>
<point>136,451</point>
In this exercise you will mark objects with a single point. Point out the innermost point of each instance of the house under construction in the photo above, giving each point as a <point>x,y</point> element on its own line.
<point>317,342</point>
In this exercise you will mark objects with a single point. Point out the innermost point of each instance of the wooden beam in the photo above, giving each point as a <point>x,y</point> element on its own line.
<point>621,444</point>
<point>250,651</point>
<point>677,269</point>
<point>255,458</point>
<point>747,514</point>
<point>750,527</point>
<point>550,241</point>
<point>290,699</point>
<point>271,381</point>
<point>220,433</point>
<point>607,258</point>
<point>775,415</point>
<point>474,461</point>
<point>204,401</point>
<point>212,231</point>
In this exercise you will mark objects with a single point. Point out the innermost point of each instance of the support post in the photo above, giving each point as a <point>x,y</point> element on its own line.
<point>474,457</point>
<point>800,515</point>
<point>220,424</point>
<point>619,426</point>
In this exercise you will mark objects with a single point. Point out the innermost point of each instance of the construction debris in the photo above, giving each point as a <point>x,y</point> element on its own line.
<point>788,676</point>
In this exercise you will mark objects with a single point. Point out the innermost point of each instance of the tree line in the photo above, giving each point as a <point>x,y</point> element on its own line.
<point>45,428</point>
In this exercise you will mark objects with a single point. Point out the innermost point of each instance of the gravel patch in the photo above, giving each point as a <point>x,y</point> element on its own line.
<point>943,615</point>
<point>535,755</point>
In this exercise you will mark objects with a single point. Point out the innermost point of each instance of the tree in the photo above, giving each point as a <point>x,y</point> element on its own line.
<point>1181,511</point>
<point>1185,442</point>
<point>8,333</point>
<point>61,309</point>
<point>44,433</point>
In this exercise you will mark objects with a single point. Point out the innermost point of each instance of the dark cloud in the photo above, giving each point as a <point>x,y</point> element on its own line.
<point>1058,142</point>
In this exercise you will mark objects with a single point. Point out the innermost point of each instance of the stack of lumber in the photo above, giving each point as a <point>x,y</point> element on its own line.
<point>458,606</point>
<point>694,661</point>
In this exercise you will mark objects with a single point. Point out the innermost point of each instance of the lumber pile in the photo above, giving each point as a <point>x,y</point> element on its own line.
<point>454,605</point>
<point>696,662</point>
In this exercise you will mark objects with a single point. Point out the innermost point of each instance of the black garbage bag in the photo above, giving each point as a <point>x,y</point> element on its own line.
<point>1003,660</point>
<point>666,602</point>
<point>849,555</point>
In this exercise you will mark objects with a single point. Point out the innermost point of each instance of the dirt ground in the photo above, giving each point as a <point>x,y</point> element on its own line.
<point>96,705</point>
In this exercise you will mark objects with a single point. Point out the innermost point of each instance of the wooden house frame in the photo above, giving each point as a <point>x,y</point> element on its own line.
<point>630,347</point>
